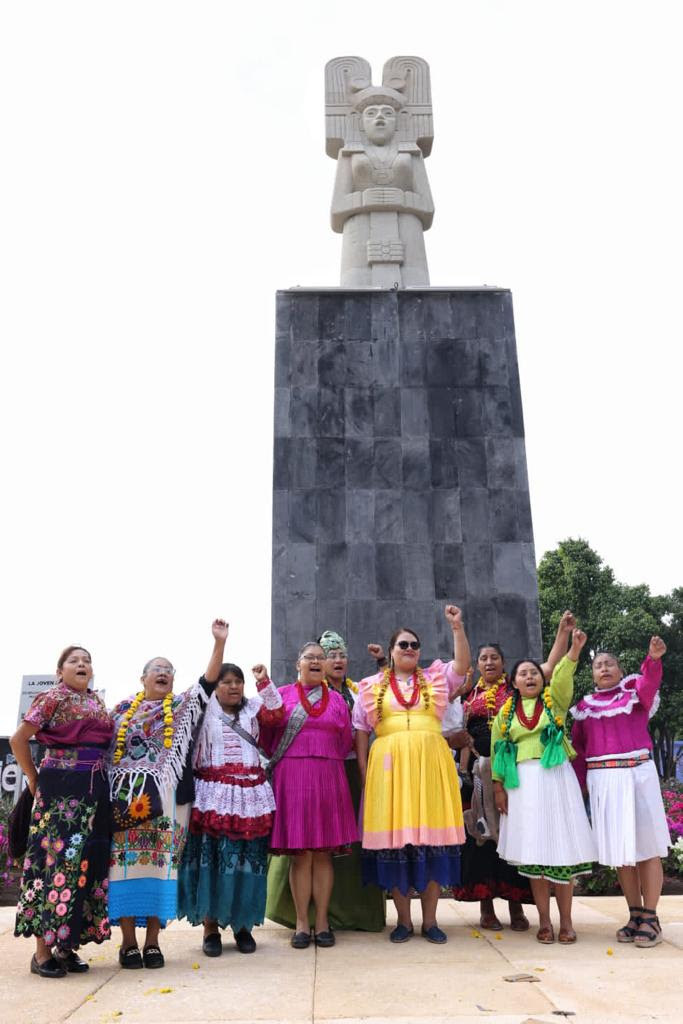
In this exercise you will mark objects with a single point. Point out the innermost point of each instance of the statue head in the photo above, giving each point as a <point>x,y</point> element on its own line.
<point>378,109</point>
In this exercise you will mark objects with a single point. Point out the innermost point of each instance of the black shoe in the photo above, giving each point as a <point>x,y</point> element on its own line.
<point>72,962</point>
<point>434,934</point>
<point>300,940</point>
<point>48,969</point>
<point>401,933</point>
<point>325,939</point>
<point>130,959</point>
<point>244,941</point>
<point>152,957</point>
<point>212,945</point>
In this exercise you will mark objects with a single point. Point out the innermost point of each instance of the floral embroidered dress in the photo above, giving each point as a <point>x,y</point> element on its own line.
<point>412,814</point>
<point>145,858</point>
<point>63,895</point>
<point>223,872</point>
<point>484,874</point>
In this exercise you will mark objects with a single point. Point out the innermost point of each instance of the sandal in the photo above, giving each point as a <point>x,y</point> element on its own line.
<point>566,936</point>
<point>644,938</point>
<point>629,931</point>
<point>152,957</point>
<point>545,935</point>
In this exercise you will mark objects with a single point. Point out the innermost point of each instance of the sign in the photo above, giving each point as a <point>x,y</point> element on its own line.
<point>31,686</point>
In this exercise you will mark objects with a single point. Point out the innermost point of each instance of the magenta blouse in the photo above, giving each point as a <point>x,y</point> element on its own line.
<point>70,718</point>
<point>328,736</point>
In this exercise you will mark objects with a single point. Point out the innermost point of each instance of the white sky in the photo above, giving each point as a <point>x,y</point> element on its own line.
<point>163,172</point>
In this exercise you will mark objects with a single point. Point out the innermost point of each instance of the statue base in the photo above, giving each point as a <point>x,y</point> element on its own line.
<point>399,476</point>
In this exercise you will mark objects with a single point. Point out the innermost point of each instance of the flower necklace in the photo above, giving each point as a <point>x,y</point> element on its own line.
<point>167,705</point>
<point>313,710</point>
<point>420,689</point>
<point>490,696</point>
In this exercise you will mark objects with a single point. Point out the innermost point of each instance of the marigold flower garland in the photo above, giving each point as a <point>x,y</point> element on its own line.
<point>552,738</point>
<point>167,706</point>
<point>420,689</point>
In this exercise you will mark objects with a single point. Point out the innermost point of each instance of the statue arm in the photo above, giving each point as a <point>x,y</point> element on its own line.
<point>345,202</point>
<point>420,201</point>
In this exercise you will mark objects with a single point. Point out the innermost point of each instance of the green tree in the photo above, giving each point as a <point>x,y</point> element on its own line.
<point>618,618</point>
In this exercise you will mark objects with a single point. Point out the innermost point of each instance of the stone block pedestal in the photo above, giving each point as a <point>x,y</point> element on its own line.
<point>399,477</point>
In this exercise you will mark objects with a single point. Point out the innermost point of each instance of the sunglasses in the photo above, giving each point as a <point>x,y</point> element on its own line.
<point>405,645</point>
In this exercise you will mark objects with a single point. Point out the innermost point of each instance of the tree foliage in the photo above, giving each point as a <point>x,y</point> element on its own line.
<point>621,619</point>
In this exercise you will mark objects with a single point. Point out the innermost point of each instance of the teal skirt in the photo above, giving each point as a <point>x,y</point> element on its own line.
<point>223,879</point>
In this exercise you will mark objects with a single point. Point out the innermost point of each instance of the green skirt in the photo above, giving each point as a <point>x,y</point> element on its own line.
<point>353,906</point>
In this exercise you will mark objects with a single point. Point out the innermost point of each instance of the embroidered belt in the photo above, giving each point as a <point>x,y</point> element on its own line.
<point>78,759</point>
<point>619,762</point>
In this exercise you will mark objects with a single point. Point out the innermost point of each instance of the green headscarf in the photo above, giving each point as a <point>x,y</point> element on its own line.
<point>331,641</point>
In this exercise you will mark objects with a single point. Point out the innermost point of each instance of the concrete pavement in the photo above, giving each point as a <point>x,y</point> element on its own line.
<point>364,978</point>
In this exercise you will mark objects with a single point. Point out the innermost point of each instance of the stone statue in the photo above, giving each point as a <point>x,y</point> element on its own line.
<point>379,136</point>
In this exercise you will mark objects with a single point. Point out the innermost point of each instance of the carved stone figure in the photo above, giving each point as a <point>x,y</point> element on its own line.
<point>379,136</point>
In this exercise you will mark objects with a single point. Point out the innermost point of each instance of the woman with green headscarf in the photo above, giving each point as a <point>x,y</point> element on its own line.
<point>352,906</point>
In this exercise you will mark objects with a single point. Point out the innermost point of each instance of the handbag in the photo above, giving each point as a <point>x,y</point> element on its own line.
<point>132,809</point>
<point>18,823</point>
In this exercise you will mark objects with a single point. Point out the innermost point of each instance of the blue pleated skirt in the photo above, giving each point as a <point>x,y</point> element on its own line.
<point>412,867</point>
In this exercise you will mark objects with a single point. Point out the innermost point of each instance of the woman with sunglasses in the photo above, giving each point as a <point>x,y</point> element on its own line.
<point>412,815</point>
<point>314,816</point>
<point>152,789</point>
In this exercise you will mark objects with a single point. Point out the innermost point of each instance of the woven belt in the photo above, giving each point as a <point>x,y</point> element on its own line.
<point>619,762</point>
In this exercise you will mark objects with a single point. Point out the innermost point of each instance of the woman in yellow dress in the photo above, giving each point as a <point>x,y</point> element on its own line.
<point>412,814</point>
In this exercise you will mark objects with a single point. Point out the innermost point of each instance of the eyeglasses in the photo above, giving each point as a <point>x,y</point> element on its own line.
<point>405,644</point>
<point>159,670</point>
<point>313,657</point>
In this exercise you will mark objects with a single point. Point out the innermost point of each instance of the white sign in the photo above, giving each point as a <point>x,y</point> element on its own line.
<point>31,686</point>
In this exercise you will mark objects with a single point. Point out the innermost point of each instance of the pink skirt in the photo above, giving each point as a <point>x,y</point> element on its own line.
<point>313,808</point>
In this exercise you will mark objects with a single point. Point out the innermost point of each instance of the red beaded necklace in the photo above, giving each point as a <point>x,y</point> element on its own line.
<point>529,723</point>
<point>414,697</point>
<point>314,710</point>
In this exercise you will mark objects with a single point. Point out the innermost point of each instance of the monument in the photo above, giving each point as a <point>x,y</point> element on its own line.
<point>399,475</point>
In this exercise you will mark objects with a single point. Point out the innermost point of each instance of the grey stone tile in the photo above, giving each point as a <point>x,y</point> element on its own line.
<point>392,614</point>
<point>501,461</point>
<point>282,425</point>
<point>471,459</point>
<point>503,515</point>
<point>414,413</point>
<point>360,514</point>
<point>331,521</point>
<point>445,518</point>
<point>388,517</point>
<point>479,577</point>
<point>412,364</point>
<point>360,461</point>
<point>417,467</point>
<point>331,462</point>
<point>512,627</point>
<point>361,617</point>
<point>363,368</point>
<point>280,671</point>
<point>283,362</point>
<point>358,317</point>
<point>449,571</point>
<point>453,363</point>
<point>442,412</point>
<point>464,307</point>
<point>389,570</point>
<point>444,459</point>
<point>303,516</point>
<point>303,461</point>
<point>496,411</point>
<point>522,478</point>
<point>280,569</point>
<point>331,419</point>
<point>419,571</point>
<point>304,317</point>
<point>331,364</point>
<point>281,450</point>
<point>468,412</point>
<point>303,411</point>
<point>303,369</point>
<point>530,583</point>
<point>280,516</point>
<point>417,516</point>
<point>300,623</point>
<point>361,582</point>
<point>438,317</point>
<point>512,573</point>
<point>359,412</point>
<point>331,318</point>
<point>331,567</point>
<point>534,638</point>
<point>386,360</point>
<point>300,575</point>
<point>493,361</point>
<point>387,412</point>
<point>524,522</point>
<point>283,312</point>
<point>411,318</point>
<point>474,514</point>
<point>515,393</point>
<point>481,622</point>
<point>388,463</point>
<point>384,317</point>
<point>330,614</point>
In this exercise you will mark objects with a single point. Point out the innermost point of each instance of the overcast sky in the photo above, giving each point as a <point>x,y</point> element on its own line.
<point>163,172</point>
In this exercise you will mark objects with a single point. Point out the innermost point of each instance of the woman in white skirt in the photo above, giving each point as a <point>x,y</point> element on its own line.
<point>615,764</point>
<point>544,828</point>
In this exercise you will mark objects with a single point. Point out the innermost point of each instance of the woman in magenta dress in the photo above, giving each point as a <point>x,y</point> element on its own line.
<point>63,897</point>
<point>314,816</point>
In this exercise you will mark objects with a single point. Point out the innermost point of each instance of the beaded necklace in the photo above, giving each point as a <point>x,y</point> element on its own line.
<point>167,705</point>
<point>314,710</point>
<point>420,689</point>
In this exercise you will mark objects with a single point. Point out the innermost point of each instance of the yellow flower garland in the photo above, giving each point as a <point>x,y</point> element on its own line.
<point>384,685</point>
<point>167,705</point>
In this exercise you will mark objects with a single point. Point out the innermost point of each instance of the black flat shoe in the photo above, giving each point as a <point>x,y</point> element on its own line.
<point>130,959</point>
<point>325,939</point>
<point>72,962</point>
<point>300,940</point>
<point>48,969</point>
<point>152,957</point>
<point>212,945</point>
<point>244,941</point>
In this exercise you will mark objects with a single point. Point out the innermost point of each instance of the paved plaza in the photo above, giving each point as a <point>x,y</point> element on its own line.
<point>366,979</point>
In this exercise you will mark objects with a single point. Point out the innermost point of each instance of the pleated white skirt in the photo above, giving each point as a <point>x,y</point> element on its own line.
<point>628,816</point>
<point>546,821</point>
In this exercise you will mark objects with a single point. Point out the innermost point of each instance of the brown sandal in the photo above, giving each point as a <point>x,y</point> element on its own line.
<point>566,936</point>
<point>545,935</point>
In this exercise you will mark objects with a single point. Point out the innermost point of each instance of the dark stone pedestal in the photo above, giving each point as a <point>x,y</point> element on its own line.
<point>399,476</point>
